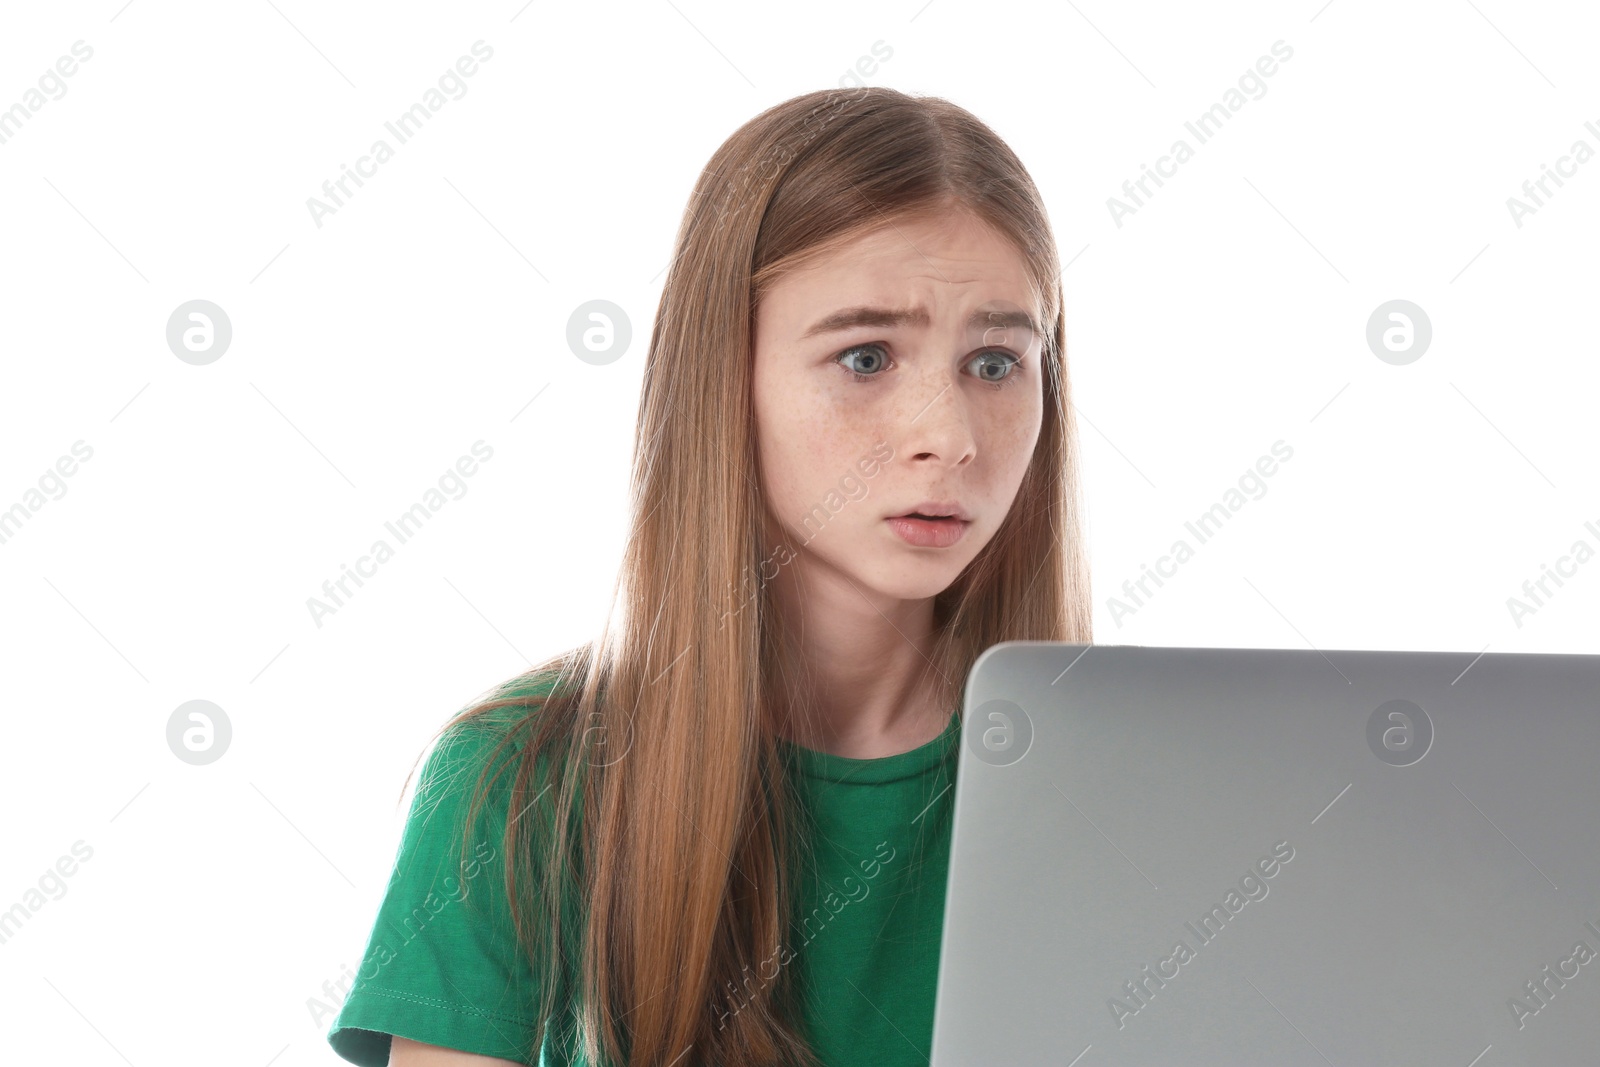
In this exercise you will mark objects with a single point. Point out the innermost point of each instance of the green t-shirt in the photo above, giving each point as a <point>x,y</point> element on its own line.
<point>443,966</point>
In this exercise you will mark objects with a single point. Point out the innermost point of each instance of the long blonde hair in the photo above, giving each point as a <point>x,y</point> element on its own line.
<point>676,835</point>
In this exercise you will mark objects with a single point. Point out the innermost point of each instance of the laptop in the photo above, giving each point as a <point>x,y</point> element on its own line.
<point>1211,856</point>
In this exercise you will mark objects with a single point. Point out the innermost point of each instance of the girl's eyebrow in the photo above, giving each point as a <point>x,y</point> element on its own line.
<point>864,315</point>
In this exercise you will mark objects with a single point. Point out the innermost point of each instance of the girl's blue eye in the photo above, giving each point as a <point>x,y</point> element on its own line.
<point>1007,364</point>
<point>877,363</point>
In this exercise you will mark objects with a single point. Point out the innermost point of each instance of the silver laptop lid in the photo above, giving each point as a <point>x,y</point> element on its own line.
<point>1267,856</point>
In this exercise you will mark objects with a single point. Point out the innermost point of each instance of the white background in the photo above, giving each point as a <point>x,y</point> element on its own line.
<point>430,312</point>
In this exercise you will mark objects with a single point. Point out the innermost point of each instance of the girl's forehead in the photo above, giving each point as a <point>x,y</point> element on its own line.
<point>899,270</point>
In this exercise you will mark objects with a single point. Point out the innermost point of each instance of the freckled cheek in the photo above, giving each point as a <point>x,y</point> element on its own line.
<point>1012,435</point>
<point>825,424</point>
<point>779,426</point>
<point>798,443</point>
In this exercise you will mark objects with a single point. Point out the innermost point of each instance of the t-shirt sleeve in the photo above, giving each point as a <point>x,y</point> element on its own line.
<point>442,964</point>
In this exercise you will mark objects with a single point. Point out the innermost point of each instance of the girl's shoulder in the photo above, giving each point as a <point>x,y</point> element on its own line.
<point>491,739</point>
<point>525,697</point>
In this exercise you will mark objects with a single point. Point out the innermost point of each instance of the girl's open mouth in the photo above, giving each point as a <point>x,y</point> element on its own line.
<point>927,531</point>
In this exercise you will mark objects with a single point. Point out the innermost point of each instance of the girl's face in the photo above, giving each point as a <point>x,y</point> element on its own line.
<point>886,378</point>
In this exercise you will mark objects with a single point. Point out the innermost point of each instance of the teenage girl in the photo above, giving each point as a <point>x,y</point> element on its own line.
<point>717,836</point>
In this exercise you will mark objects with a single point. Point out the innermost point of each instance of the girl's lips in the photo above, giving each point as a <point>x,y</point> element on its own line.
<point>928,533</point>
